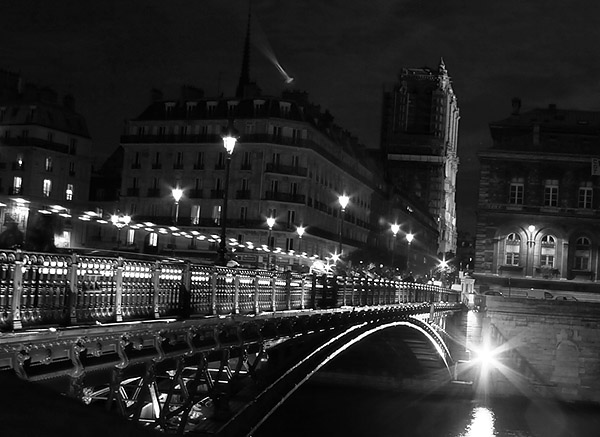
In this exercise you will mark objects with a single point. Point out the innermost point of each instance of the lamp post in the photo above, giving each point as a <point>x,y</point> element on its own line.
<point>230,137</point>
<point>270,224</point>
<point>300,230</point>
<point>409,238</point>
<point>530,244</point>
<point>177,194</point>
<point>344,200</point>
<point>395,229</point>
<point>120,221</point>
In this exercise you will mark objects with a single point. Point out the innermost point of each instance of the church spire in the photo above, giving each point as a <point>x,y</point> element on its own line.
<point>245,73</point>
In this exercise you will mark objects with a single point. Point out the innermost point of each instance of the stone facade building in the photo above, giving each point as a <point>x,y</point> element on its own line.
<point>539,200</point>
<point>419,139</point>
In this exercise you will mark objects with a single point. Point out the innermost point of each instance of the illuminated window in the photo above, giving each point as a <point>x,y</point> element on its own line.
<point>195,215</point>
<point>513,249</point>
<point>130,236</point>
<point>69,192</point>
<point>153,239</point>
<point>19,162</point>
<point>517,188</point>
<point>47,188</point>
<point>17,185</point>
<point>582,253</point>
<point>547,251</point>
<point>585,196</point>
<point>216,214</point>
<point>551,192</point>
<point>48,163</point>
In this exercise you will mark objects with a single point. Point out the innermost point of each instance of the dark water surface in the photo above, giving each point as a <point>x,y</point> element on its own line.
<point>316,410</point>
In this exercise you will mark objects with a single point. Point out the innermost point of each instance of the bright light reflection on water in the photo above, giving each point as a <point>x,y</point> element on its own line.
<point>482,423</point>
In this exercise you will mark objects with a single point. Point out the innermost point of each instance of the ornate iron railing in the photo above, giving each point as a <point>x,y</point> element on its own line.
<point>44,289</point>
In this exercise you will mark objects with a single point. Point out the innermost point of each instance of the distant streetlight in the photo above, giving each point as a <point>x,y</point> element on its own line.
<point>270,224</point>
<point>344,200</point>
<point>395,229</point>
<point>177,194</point>
<point>300,230</point>
<point>530,244</point>
<point>409,238</point>
<point>230,137</point>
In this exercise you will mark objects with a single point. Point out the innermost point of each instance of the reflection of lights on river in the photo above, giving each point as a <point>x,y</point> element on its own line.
<point>482,423</point>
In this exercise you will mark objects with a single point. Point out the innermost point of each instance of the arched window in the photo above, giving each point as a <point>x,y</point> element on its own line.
<point>583,247</point>
<point>548,251</point>
<point>512,249</point>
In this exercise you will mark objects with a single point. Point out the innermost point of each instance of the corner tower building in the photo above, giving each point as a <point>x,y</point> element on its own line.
<point>419,138</point>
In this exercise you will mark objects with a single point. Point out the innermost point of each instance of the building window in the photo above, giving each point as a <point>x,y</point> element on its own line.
<point>517,188</point>
<point>50,137</point>
<point>289,244</point>
<point>246,161</point>
<point>73,146</point>
<point>547,251</point>
<point>551,192</point>
<point>216,214</point>
<point>17,185</point>
<point>513,249</point>
<point>19,163</point>
<point>243,214</point>
<point>249,129</point>
<point>274,186</point>
<point>153,239</point>
<point>199,161</point>
<point>69,192</point>
<point>179,161</point>
<point>291,218</point>
<point>48,164</point>
<point>71,168</point>
<point>47,188</point>
<point>221,160</point>
<point>585,196</point>
<point>582,253</point>
<point>195,215</point>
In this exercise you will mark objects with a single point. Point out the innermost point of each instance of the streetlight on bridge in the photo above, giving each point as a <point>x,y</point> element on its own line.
<point>270,224</point>
<point>230,137</point>
<point>177,194</point>
<point>120,221</point>
<point>395,229</point>
<point>409,238</point>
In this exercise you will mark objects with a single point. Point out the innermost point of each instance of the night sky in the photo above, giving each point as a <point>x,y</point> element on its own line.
<point>109,54</point>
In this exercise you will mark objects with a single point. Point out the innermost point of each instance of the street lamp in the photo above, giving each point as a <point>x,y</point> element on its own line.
<point>230,137</point>
<point>270,224</point>
<point>120,221</point>
<point>177,194</point>
<point>409,237</point>
<point>300,230</point>
<point>344,200</point>
<point>395,229</point>
<point>530,243</point>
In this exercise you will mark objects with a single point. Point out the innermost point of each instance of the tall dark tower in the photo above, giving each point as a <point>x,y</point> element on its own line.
<point>419,137</point>
<point>245,87</point>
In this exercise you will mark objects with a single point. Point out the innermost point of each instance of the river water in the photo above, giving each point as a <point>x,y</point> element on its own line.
<point>317,410</point>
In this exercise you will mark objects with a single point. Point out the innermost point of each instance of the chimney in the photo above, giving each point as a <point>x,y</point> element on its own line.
<point>516,105</point>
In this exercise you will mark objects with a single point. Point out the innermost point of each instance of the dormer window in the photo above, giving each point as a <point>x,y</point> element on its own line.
<point>284,109</point>
<point>259,107</point>
<point>232,107</point>
<point>169,108</point>
<point>190,107</point>
<point>211,108</point>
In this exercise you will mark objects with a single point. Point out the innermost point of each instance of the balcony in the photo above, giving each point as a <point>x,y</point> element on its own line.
<point>285,197</point>
<point>15,190</point>
<point>133,192</point>
<point>178,166</point>
<point>195,194</point>
<point>153,192</point>
<point>198,166</point>
<point>156,166</point>
<point>242,194</point>
<point>217,194</point>
<point>17,166</point>
<point>290,170</point>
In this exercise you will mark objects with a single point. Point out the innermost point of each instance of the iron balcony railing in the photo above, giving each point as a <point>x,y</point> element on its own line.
<point>42,289</point>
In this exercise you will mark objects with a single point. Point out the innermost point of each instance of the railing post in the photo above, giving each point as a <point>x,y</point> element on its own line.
<point>73,290</point>
<point>156,272</point>
<point>273,291</point>
<point>213,295</point>
<point>256,294</point>
<point>288,290</point>
<point>313,292</point>
<point>119,291</point>
<point>17,290</point>
<point>236,293</point>
<point>302,291</point>
<point>185,300</point>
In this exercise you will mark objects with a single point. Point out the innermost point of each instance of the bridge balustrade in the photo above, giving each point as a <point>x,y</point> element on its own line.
<point>49,289</point>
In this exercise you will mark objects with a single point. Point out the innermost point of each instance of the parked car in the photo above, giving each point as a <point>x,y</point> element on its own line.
<point>539,294</point>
